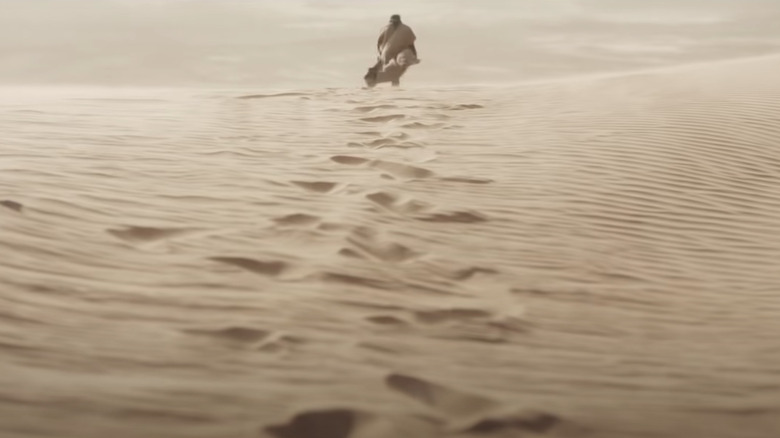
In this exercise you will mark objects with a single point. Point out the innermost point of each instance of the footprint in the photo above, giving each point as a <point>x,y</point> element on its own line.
<point>372,346</point>
<point>297,219</point>
<point>392,202</point>
<point>420,155</point>
<point>393,168</point>
<point>468,180</point>
<point>386,320</point>
<point>418,125</point>
<point>445,401</point>
<point>402,170</point>
<point>354,423</point>
<point>351,253</point>
<point>445,315</point>
<point>370,108</point>
<point>12,205</point>
<point>366,242</point>
<point>465,106</point>
<point>467,273</point>
<point>383,119</point>
<point>329,226</point>
<point>389,252</point>
<point>468,413</point>
<point>536,422</point>
<point>279,342</point>
<point>373,283</point>
<point>273,268</point>
<point>332,423</point>
<point>463,217</point>
<point>262,340</point>
<point>399,136</point>
<point>233,334</point>
<point>404,145</point>
<point>370,305</point>
<point>317,186</point>
<point>349,160</point>
<point>148,234</point>
<point>380,142</point>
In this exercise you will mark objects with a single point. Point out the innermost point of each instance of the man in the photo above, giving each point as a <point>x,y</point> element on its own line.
<point>394,39</point>
<point>396,52</point>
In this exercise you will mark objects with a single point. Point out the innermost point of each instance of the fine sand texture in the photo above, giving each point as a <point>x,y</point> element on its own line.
<point>591,255</point>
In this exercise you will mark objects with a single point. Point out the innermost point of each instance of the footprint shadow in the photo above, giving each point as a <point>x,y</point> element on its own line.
<point>271,269</point>
<point>12,205</point>
<point>134,234</point>
<point>464,412</point>
<point>400,170</point>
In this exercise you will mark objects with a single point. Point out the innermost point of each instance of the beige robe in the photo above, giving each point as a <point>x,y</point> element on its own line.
<point>393,71</point>
<point>394,40</point>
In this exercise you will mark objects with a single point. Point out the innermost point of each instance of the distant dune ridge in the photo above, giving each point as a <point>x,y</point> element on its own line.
<point>296,44</point>
<point>208,228</point>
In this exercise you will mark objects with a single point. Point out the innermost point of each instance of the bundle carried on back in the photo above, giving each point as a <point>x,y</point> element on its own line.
<point>393,40</point>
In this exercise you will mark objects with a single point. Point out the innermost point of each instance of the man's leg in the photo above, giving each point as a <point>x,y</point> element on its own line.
<point>397,82</point>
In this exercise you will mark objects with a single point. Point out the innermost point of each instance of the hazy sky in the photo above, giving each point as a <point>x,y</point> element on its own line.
<point>274,43</point>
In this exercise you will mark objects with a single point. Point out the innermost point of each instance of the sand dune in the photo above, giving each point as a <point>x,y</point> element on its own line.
<point>591,256</point>
<point>581,258</point>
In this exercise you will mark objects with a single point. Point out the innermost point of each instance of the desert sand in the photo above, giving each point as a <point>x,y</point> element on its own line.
<point>564,223</point>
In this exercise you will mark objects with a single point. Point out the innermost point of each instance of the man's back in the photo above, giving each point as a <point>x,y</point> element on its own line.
<point>393,39</point>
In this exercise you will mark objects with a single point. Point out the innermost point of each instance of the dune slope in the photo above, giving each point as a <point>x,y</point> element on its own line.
<point>583,258</point>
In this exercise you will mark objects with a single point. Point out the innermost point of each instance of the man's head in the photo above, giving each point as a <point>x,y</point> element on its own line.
<point>395,19</point>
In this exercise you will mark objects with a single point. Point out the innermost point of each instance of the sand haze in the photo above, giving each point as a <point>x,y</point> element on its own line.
<point>564,223</point>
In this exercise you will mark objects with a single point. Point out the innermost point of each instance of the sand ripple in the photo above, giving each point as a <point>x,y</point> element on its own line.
<point>591,258</point>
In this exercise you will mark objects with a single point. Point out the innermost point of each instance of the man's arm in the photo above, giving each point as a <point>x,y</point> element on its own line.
<point>381,40</point>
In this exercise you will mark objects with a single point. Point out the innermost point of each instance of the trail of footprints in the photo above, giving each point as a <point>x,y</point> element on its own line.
<point>363,243</point>
<point>448,412</point>
<point>434,410</point>
<point>405,172</point>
